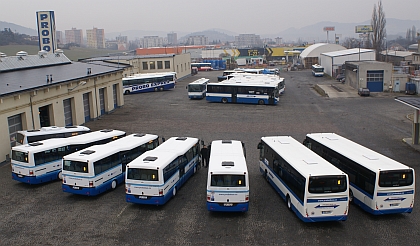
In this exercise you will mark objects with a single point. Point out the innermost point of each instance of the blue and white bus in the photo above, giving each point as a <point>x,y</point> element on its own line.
<point>197,89</point>
<point>259,78</point>
<point>378,184</point>
<point>317,70</point>
<point>148,82</point>
<point>40,162</point>
<point>312,187</point>
<point>157,175</point>
<point>227,178</point>
<point>99,168</point>
<point>243,90</point>
<point>30,136</point>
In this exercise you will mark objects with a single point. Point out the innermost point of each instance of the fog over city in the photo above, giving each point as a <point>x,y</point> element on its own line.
<point>239,16</point>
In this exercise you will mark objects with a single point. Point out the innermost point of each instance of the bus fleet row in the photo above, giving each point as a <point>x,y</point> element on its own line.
<point>317,179</point>
<point>240,87</point>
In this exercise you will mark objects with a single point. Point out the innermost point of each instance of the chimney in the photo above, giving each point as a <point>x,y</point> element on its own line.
<point>48,78</point>
<point>89,70</point>
<point>51,78</point>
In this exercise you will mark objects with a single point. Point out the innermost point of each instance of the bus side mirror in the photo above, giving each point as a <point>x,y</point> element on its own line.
<point>259,146</point>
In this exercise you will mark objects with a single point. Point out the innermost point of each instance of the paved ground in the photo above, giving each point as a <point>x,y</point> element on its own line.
<point>44,215</point>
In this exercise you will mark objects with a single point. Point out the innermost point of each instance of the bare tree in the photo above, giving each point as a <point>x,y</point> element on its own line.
<point>378,23</point>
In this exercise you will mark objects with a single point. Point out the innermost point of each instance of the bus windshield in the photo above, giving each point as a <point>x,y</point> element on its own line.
<point>75,166</point>
<point>327,184</point>
<point>142,174</point>
<point>395,178</point>
<point>318,69</point>
<point>19,156</point>
<point>195,88</point>
<point>227,180</point>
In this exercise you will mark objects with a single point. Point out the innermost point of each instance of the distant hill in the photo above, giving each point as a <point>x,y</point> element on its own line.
<point>212,35</point>
<point>18,29</point>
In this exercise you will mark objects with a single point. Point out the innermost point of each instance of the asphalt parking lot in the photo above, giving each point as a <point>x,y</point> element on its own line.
<point>44,215</point>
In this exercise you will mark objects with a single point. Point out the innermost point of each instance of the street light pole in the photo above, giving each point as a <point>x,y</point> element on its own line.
<point>359,50</point>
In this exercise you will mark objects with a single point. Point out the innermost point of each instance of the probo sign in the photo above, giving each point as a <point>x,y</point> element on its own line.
<point>46,30</point>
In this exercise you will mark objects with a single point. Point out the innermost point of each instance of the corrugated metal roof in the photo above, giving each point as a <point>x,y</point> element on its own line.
<point>347,52</point>
<point>397,53</point>
<point>10,63</point>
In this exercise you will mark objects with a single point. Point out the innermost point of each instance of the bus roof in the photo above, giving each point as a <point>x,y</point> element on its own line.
<point>164,153</point>
<point>227,156</point>
<point>316,66</point>
<point>149,75</point>
<point>53,129</point>
<point>101,150</point>
<point>199,81</point>
<point>304,160</point>
<point>58,142</point>
<point>356,152</point>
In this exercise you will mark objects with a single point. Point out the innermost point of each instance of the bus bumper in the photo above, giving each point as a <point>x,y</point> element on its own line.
<point>218,207</point>
<point>151,200</point>
<point>86,191</point>
<point>36,179</point>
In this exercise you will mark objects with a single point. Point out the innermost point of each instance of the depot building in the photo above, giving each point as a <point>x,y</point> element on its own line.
<point>48,89</point>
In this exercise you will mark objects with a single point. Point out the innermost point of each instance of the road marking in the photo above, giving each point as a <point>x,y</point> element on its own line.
<point>122,211</point>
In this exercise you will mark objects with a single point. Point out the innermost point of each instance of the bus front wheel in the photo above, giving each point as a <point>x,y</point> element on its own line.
<point>174,191</point>
<point>156,89</point>
<point>289,202</point>
<point>114,184</point>
<point>126,92</point>
<point>260,102</point>
<point>161,88</point>
<point>60,175</point>
<point>224,100</point>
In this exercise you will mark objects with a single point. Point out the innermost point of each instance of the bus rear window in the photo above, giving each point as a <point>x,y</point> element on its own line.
<point>395,178</point>
<point>19,156</point>
<point>327,184</point>
<point>75,166</point>
<point>226,180</point>
<point>142,174</point>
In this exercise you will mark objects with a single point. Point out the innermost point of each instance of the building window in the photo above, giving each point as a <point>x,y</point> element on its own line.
<point>167,65</point>
<point>159,65</point>
<point>145,67</point>
<point>15,125</point>
<point>152,65</point>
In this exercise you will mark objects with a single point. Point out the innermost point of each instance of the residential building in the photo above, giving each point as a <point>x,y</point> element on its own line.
<point>172,38</point>
<point>74,36</point>
<point>95,38</point>
<point>198,40</point>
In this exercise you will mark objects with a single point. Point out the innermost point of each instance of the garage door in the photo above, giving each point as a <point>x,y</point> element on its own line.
<point>375,80</point>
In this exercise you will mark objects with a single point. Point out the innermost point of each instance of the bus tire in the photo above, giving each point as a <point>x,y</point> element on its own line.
<point>195,169</point>
<point>126,92</point>
<point>289,202</point>
<point>224,100</point>
<point>266,176</point>
<point>156,89</point>
<point>60,175</point>
<point>161,88</point>
<point>114,184</point>
<point>174,191</point>
<point>260,102</point>
<point>351,197</point>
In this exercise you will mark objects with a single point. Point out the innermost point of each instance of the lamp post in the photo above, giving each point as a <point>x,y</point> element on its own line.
<point>359,50</point>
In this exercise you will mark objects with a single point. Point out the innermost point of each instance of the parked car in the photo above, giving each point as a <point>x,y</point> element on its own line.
<point>363,92</point>
<point>340,77</point>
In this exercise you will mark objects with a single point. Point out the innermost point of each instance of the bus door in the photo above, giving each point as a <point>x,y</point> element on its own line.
<point>271,98</point>
<point>182,162</point>
<point>234,94</point>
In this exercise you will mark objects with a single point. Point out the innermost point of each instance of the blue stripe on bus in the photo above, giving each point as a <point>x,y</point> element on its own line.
<point>167,86</point>
<point>383,211</point>
<point>238,99</point>
<point>395,193</point>
<point>237,207</point>
<point>50,176</point>
<point>336,199</point>
<point>229,191</point>
<point>93,191</point>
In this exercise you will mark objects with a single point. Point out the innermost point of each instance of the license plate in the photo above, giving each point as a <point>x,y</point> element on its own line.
<point>394,204</point>
<point>76,187</point>
<point>326,212</point>
<point>228,204</point>
<point>20,175</point>
<point>142,197</point>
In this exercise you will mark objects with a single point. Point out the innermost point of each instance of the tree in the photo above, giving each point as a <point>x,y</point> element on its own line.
<point>378,23</point>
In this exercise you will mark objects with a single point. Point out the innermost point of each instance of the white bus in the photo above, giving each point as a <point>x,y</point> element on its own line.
<point>99,168</point>
<point>148,82</point>
<point>312,188</point>
<point>156,176</point>
<point>227,178</point>
<point>30,136</point>
<point>259,78</point>
<point>317,70</point>
<point>244,90</point>
<point>378,184</point>
<point>40,162</point>
<point>197,89</point>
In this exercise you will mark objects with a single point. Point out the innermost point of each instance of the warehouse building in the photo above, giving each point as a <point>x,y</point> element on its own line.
<point>334,61</point>
<point>311,55</point>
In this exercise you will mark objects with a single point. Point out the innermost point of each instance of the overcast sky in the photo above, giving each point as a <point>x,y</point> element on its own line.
<point>240,16</point>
